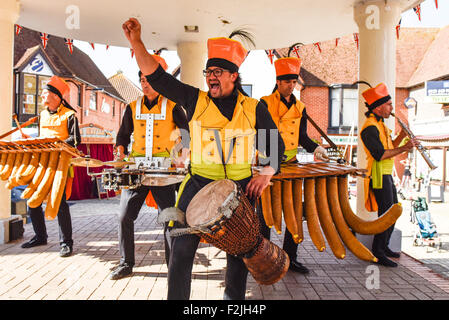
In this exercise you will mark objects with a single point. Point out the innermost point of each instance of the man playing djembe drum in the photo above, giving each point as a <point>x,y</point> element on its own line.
<point>58,120</point>
<point>224,109</point>
<point>164,133</point>
<point>290,116</point>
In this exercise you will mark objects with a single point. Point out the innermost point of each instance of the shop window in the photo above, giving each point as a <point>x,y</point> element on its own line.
<point>93,100</point>
<point>29,102</point>
<point>343,106</point>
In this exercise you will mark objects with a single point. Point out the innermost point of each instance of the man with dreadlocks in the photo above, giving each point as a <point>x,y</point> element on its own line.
<point>56,120</point>
<point>223,107</point>
<point>290,116</point>
<point>165,132</point>
<point>380,192</point>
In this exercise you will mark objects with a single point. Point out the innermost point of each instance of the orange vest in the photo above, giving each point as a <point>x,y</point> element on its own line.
<point>385,139</point>
<point>165,131</point>
<point>207,119</point>
<point>287,120</point>
<point>55,125</point>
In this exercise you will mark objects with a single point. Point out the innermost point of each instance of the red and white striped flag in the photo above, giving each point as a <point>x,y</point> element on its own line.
<point>69,43</point>
<point>107,47</point>
<point>296,51</point>
<point>436,4</point>
<point>336,41</point>
<point>270,55</point>
<point>317,44</point>
<point>398,27</point>
<point>417,10</point>
<point>44,39</point>
<point>92,45</point>
<point>18,29</point>
<point>356,39</point>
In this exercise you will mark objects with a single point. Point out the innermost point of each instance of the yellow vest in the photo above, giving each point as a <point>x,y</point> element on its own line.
<point>207,119</point>
<point>385,139</point>
<point>55,125</point>
<point>287,120</point>
<point>165,131</point>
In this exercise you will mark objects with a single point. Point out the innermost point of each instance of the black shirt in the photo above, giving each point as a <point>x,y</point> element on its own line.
<point>371,140</point>
<point>127,126</point>
<point>303,139</point>
<point>187,96</point>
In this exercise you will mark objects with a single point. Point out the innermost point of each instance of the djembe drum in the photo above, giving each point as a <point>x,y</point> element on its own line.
<point>222,215</point>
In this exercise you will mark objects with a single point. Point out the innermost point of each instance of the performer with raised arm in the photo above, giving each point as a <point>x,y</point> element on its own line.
<point>224,110</point>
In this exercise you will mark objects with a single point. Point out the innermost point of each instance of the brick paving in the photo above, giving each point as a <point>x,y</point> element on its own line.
<point>40,274</point>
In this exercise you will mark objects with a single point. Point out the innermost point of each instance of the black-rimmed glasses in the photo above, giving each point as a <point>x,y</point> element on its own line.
<point>217,72</point>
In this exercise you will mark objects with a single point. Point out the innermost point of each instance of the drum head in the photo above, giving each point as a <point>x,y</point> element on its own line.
<point>203,208</point>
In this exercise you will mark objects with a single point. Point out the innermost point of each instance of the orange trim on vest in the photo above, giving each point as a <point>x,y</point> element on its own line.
<point>385,139</point>
<point>165,131</point>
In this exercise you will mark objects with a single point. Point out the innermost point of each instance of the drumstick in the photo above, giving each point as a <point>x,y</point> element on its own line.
<point>14,116</point>
<point>25,124</point>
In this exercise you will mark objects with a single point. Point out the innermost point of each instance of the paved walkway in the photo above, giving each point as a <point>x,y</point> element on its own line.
<point>39,273</point>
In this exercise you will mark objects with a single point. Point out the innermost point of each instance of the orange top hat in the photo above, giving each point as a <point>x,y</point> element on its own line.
<point>287,68</point>
<point>161,61</point>
<point>376,96</point>
<point>59,84</point>
<point>226,53</point>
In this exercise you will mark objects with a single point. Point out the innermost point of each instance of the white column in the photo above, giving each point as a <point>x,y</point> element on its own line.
<point>9,13</point>
<point>377,63</point>
<point>193,57</point>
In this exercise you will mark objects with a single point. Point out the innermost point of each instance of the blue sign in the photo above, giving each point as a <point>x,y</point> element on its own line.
<point>37,64</point>
<point>437,88</point>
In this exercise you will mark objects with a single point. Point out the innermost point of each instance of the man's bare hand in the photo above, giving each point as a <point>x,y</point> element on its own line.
<point>257,184</point>
<point>132,30</point>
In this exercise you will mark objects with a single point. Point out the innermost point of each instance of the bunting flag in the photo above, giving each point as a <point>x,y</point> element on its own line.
<point>296,51</point>
<point>44,39</point>
<point>336,41</point>
<point>436,4</point>
<point>398,27</point>
<point>18,29</point>
<point>417,10</point>
<point>132,52</point>
<point>356,39</point>
<point>317,44</point>
<point>92,45</point>
<point>270,55</point>
<point>69,43</point>
<point>107,47</point>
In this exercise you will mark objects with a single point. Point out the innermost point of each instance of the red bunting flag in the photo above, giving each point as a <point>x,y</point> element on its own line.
<point>270,55</point>
<point>417,10</point>
<point>296,51</point>
<point>356,39</point>
<point>69,43</point>
<point>398,27</point>
<point>317,44</point>
<point>107,47</point>
<point>132,52</point>
<point>436,4</point>
<point>18,29</point>
<point>44,39</point>
<point>92,45</point>
<point>336,41</point>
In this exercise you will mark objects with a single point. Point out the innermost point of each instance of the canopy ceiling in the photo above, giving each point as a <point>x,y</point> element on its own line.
<point>274,24</point>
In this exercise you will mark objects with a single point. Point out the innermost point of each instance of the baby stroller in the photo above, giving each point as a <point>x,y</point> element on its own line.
<point>426,231</point>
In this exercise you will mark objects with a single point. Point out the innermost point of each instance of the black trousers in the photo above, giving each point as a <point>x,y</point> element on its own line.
<point>385,198</point>
<point>183,253</point>
<point>131,202</point>
<point>64,221</point>
<point>289,245</point>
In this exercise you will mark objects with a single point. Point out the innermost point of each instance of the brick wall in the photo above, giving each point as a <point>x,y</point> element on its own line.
<point>316,100</point>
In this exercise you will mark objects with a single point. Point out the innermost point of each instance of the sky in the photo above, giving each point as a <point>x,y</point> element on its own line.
<point>118,58</point>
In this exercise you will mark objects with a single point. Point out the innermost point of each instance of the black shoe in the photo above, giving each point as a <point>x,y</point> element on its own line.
<point>383,260</point>
<point>298,267</point>
<point>121,271</point>
<point>66,251</point>
<point>34,242</point>
<point>391,254</point>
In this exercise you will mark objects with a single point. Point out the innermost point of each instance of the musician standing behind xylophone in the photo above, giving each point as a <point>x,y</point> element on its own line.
<point>56,120</point>
<point>164,132</point>
<point>223,110</point>
<point>290,116</point>
<point>379,190</point>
